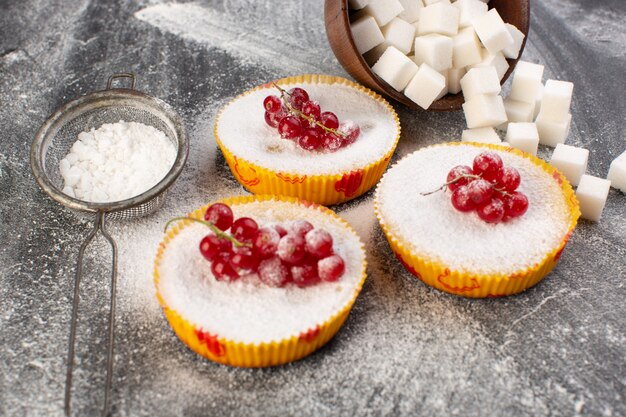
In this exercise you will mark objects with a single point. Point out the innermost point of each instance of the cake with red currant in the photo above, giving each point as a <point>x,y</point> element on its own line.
<point>476,220</point>
<point>315,137</point>
<point>258,281</point>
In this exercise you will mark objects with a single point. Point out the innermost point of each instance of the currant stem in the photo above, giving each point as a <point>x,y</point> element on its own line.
<point>304,116</point>
<point>211,226</point>
<point>465,176</point>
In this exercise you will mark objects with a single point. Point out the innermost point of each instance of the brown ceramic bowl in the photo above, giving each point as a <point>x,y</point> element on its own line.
<point>515,12</point>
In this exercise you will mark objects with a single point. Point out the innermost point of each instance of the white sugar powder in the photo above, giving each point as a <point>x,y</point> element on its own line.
<point>437,231</point>
<point>246,310</point>
<point>242,129</point>
<point>116,161</point>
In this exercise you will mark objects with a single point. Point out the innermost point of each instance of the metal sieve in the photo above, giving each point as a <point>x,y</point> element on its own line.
<point>54,140</point>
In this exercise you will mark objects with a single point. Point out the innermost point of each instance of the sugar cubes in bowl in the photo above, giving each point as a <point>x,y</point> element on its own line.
<point>450,37</point>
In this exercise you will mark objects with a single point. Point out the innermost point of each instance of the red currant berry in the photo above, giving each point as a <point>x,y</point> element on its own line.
<point>515,205</point>
<point>272,104</point>
<point>280,229</point>
<point>244,229</point>
<point>212,245</point>
<point>273,119</point>
<point>492,211</point>
<point>488,165</point>
<point>220,215</point>
<point>319,243</point>
<point>297,97</point>
<point>291,248</point>
<point>273,272</point>
<point>311,138</point>
<point>312,109</point>
<point>350,131</point>
<point>510,179</point>
<point>222,270</point>
<point>300,227</point>
<point>245,258</point>
<point>459,171</point>
<point>305,275</point>
<point>480,191</point>
<point>266,241</point>
<point>330,269</point>
<point>461,199</point>
<point>332,142</point>
<point>329,119</point>
<point>290,127</point>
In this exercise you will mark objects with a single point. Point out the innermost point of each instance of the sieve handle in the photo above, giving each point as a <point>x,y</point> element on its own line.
<point>99,225</point>
<point>122,75</point>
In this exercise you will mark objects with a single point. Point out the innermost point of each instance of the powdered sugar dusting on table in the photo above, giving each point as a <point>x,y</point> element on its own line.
<point>248,311</point>
<point>462,241</point>
<point>242,129</point>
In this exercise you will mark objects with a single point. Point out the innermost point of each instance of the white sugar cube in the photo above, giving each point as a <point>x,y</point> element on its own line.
<point>552,133</point>
<point>617,172</point>
<point>591,194</point>
<point>478,81</point>
<point>69,191</point>
<point>469,10</point>
<point>453,78</point>
<point>466,48</point>
<point>358,4</point>
<point>366,34</point>
<point>481,135</point>
<point>395,68</point>
<point>426,86</point>
<point>429,2</point>
<point>434,50</point>
<point>557,96</point>
<point>538,99</point>
<point>518,111</point>
<point>439,18</point>
<point>484,110</point>
<point>571,161</point>
<point>400,34</point>
<point>523,136</point>
<point>526,83</point>
<point>512,51</point>
<point>411,11</point>
<point>498,61</point>
<point>492,31</point>
<point>383,10</point>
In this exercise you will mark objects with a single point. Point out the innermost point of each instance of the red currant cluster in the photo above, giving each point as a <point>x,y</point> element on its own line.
<point>298,254</point>
<point>488,187</point>
<point>300,119</point>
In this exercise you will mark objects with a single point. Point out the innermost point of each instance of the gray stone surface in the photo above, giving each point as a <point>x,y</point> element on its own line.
<point>558,349</point>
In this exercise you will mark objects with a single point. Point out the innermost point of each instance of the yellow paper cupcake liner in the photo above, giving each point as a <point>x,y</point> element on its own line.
<point>438,275</point>
<point>232,352</point>
<point>321,189</point>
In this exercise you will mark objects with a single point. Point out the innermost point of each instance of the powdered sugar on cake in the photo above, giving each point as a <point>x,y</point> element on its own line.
<point>242,129</point>
<point>246,310</point>
<point>462,241</point>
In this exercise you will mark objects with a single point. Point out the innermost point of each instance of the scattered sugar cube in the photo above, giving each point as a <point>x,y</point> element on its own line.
<point>526,82</point>
<point>469,10</point>
<point>358,4</point>
<point>482,80</point>
<point>498,61</point>
<point>434,50</point>
<point>557,97</point>
<point>426,86</point>
<point>512,51</point>
<point>453,78</point>
<point>383,10</point>
<point>518,111</point>
<point>484,110</point>
<point>617,172</point>
<point>439,18</point>
<point>466,48</point>
<point>400,34</point>
<point>571,161</point>
<point>366,34</point>
<point>538,99</point>
<point>411,11</point>
<point>481,135</point>
<point>395,68</point>
<point>591,194</point>
<point>523,136</point>
<point>552,133</point>
<point>492,31</point>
